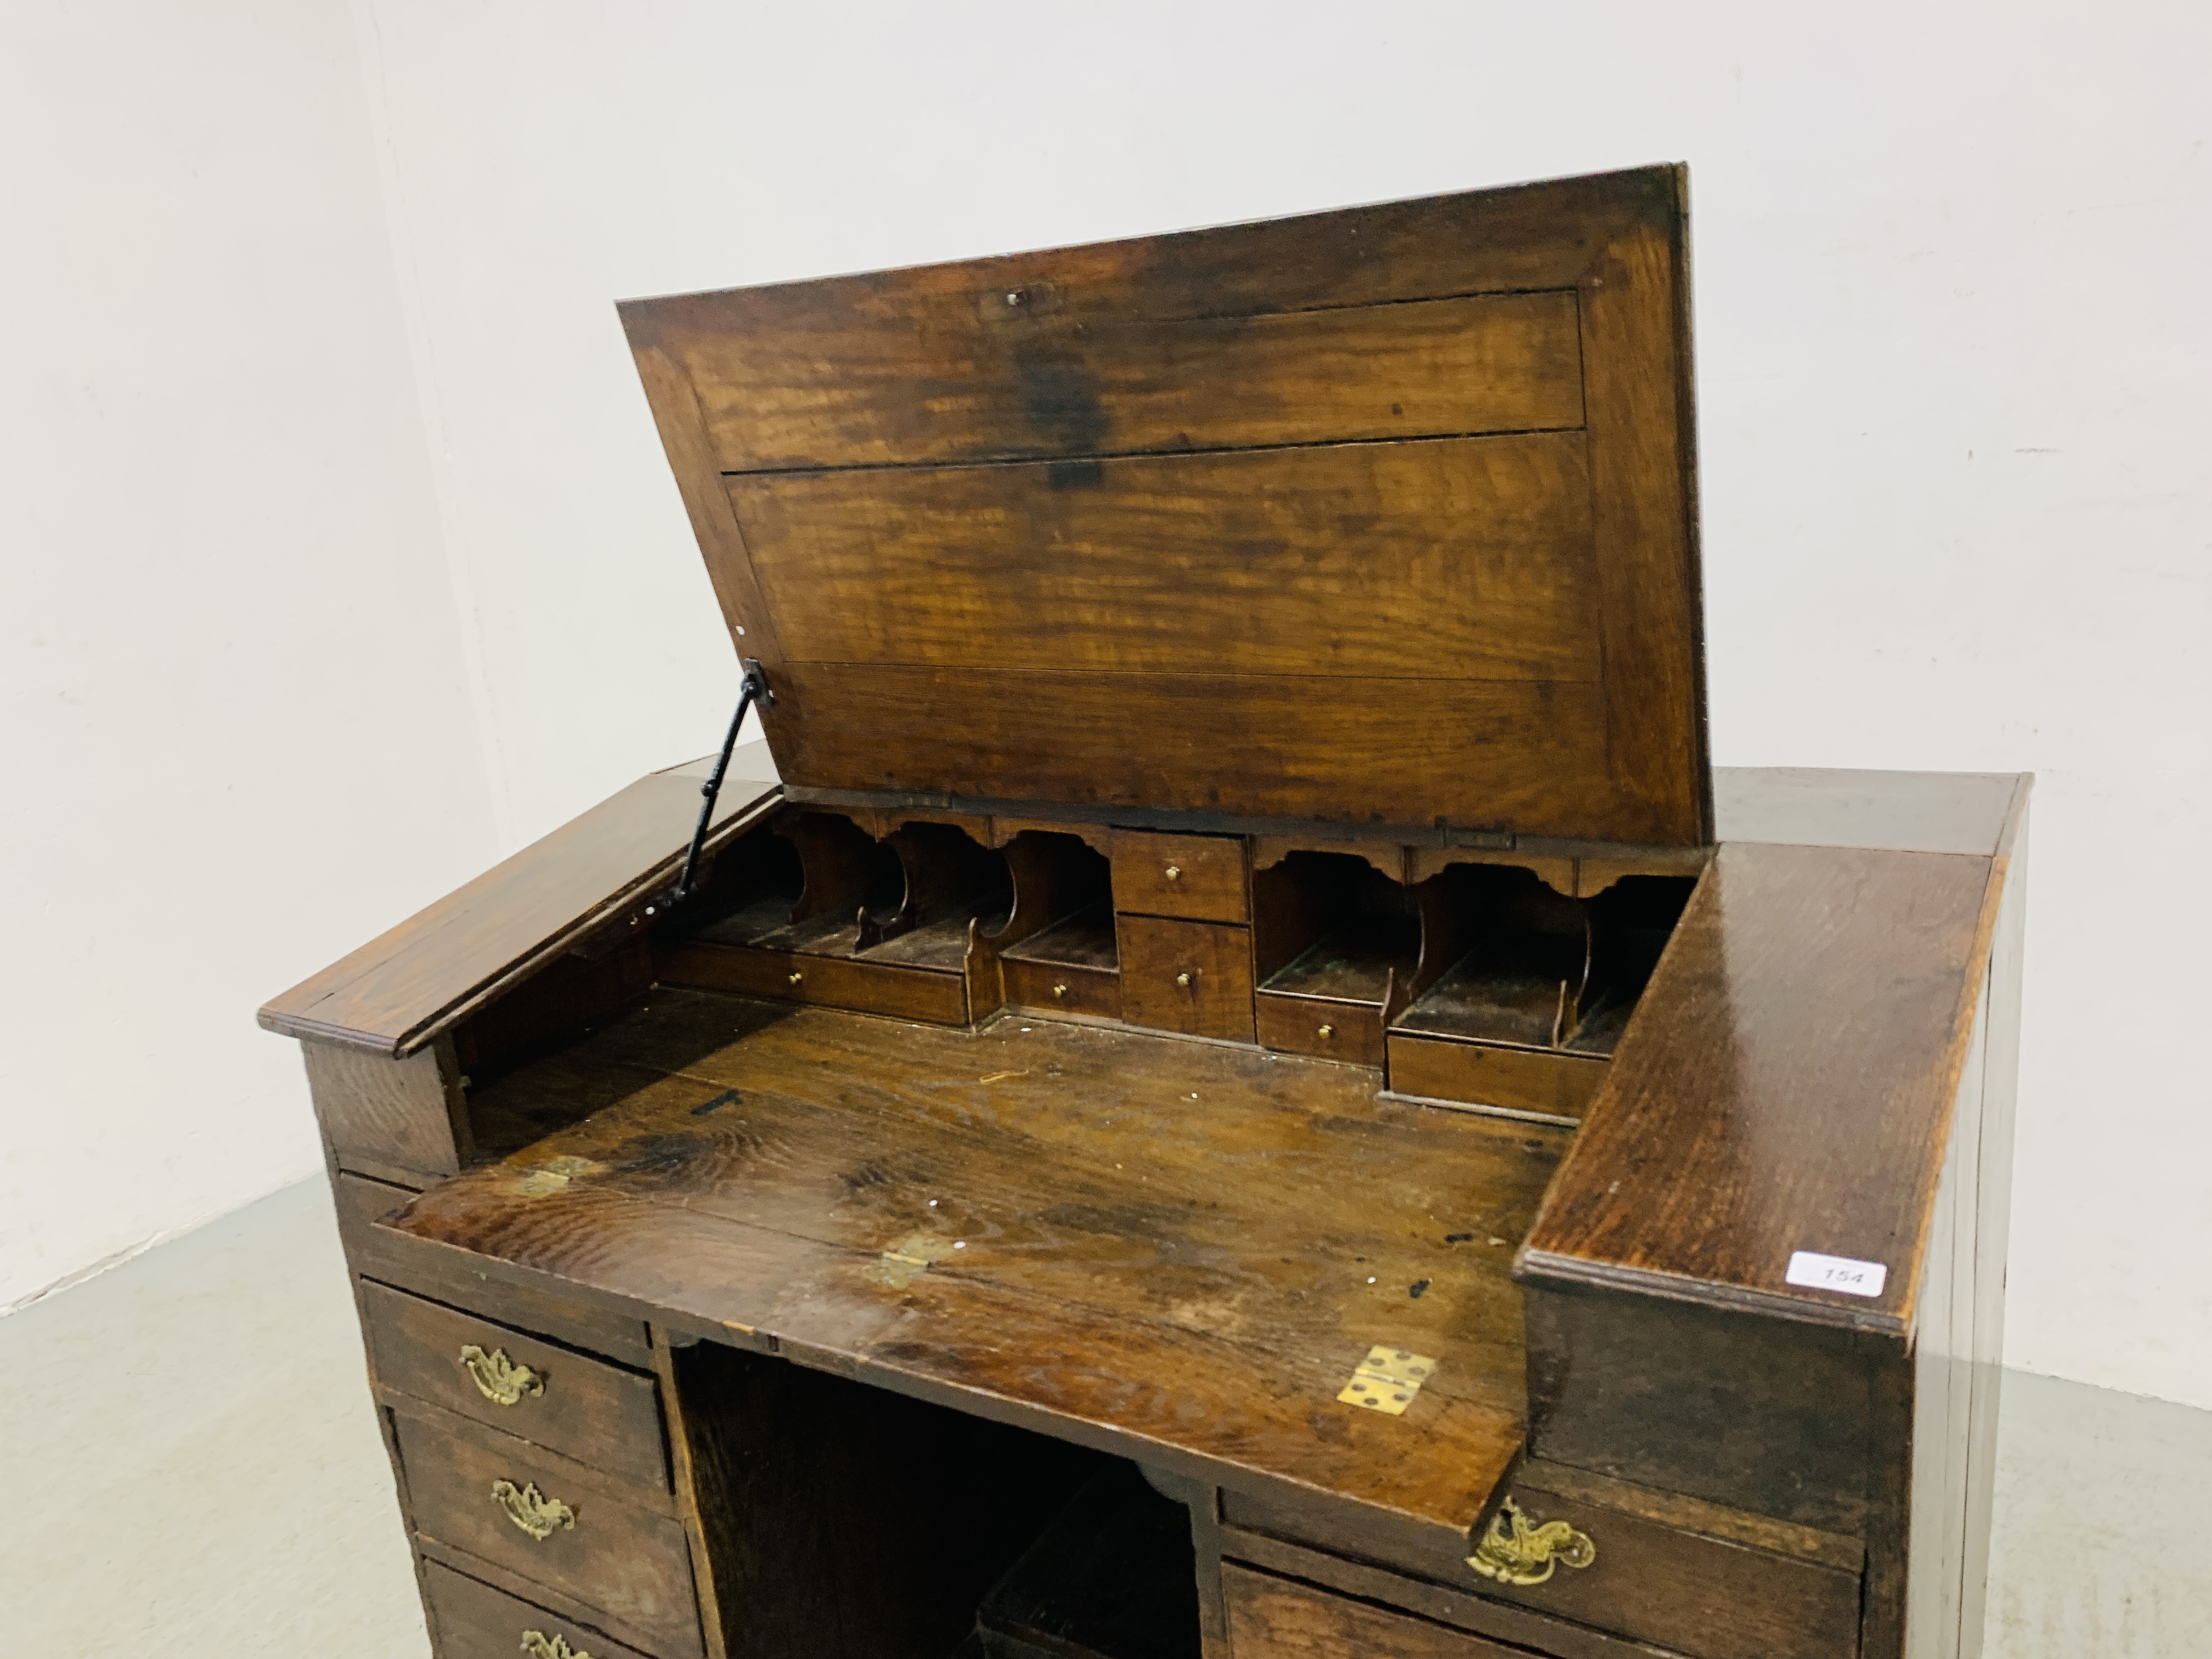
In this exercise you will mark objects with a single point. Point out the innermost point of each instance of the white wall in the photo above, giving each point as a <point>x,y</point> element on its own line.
<point>238,739</point>
<point>1953,368</point>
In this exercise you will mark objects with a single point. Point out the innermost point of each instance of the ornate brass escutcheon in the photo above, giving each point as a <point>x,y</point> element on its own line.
<point>1516,1552</point>
<point>498,1378</point>
<point>538,1645</point>
<point>532,1509</point>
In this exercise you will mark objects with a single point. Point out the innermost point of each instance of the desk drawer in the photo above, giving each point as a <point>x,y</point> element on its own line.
<point>1199,877</point>
<point>867,987</point>
<point>493,1501</point>
<point>1349,1032</point>
<point>475,1621</point>
<point>598,1414</point>
<point>1060,988</point>
<point>1272,1618</point>
<point>1700,1595</point>
<point>1195,977</point>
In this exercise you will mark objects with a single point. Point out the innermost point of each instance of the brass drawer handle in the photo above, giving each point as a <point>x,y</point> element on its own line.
<point>1060,990</point>
<point>1182,979</point>
<point>498,1378</point>
<point>1514,1552</point>
<point>1326,1031</point>
<point>538,1645</point>
<point>532,1509</point>
<point>794,979</point>
<point>1175,873</point>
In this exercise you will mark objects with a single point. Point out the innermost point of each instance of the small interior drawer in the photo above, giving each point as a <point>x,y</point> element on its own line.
<point>473,1618</point>
<point>1199,878</point>
<point>870,987</point>
<point>1551,1081</point>
<point>1195,977</point>
<point>1327,1031</point>
<point>629,1560</point>
<point>598,1414</point>
<point>1063,987</point>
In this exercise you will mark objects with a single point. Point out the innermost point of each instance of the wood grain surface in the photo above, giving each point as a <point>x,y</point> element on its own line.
<point>1272,1618</point>
<point>473,1618</point>
<point>1208,883</point>
<point>1187,1279</point>
<point>1787,1085</point>
<point>1252,496</point>
<point>619,1557</point>
<point>1449,560</point>
<point>398,991</point>
<point>582,1407</point>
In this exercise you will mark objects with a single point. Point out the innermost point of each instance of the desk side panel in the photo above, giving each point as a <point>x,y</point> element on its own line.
<point>403,986</point>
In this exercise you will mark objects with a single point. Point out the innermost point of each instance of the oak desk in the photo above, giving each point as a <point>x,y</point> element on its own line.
<point>1249,1091</point>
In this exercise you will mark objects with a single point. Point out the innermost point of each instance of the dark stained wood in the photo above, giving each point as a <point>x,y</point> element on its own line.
<point>400,990</point>
<point>1761,1415</point>
<point>1326,1029</point>
<point>1965,812</point>
<point>1525,1629</point>
<point>1208,1321</point>
<point>1195,977</point>
<point>1272,1618</point>
<point>842,1521</point>
<point>1704,1597</point>
<point>1554,1083</point>
<point>876,987</point>
<point>1788,1085</point>
<point>399,1114</point>
<point>931,364</point>
<point>1207,883</point>
<point>1066,987</point>
<point>472,1618</point>
<point>994,504</point>
<point>1376,556</point>
<point>621,1558</point>
<point>1679,1513</point>
<point>1439,368</point>
<point>391,1258</point>
<point>584,1408</point>
<point>701,1501</point>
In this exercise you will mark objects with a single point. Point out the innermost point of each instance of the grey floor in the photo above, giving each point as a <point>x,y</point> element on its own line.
<point>189,1467</point>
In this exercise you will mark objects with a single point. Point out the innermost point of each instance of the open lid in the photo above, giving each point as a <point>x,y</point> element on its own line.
<point>1381,516</point>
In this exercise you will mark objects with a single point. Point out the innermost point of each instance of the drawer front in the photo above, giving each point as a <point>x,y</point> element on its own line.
<point>1272,1618</point>
<point>1195,977</point>
<point>1061,989</point>
<point>475,1621</point>
<point>1700,1596</point>
<point>867,987</point>
<point>1523,1080</point>
<point>1325,1029</point>
<point>1199,877</point>
<point>617,1556</point>
<point>599,1414</point>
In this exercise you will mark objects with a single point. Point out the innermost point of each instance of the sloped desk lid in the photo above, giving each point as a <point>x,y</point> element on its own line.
<point>1383,516</point>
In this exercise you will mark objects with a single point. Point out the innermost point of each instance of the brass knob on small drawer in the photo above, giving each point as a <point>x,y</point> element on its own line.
<point>498,1378</point>
<point>794,979</point>
<point>538,1645</point>
<point>1060,990</point>
<point>1326,1031</point>
<point>1516,1551</point>
<point>532,1509</point>
<point>1175,873</point>
<point>1182,979</point>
